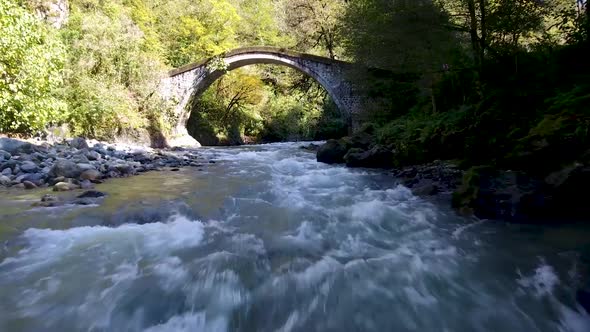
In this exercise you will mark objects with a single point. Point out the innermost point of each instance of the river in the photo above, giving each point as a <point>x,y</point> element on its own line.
<point>267,239</point>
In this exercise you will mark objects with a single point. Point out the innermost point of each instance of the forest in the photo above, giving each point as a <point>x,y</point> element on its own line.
<point>477,80</point>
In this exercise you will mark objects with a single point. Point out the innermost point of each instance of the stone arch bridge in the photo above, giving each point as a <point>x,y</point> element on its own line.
<point>189,81</point>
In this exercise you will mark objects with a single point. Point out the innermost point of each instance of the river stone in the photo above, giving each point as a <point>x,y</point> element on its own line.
<point>12,164</point>
<point>29,185</point>
<point>64,186</point>
<point>79,143</point>
<point>37,178</point>
<point>5,180</point>
<point>6,172</point>
<point>65,168</point>
<point>5,155</point>
<point>91,175</point>
<point>28,167</point>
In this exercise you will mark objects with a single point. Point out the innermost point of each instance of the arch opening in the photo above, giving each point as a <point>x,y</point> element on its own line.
<point>202,126</point>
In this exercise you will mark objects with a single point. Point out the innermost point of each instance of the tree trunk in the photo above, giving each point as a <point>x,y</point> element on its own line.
<point>473,27</point>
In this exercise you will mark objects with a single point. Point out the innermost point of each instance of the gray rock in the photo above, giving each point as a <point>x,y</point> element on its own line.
<point>79,143</point>
<point>80,159</point>
<point>5,180</point>
<point>6,172</point>
<point>93,155</point>
<point>29,185</point>
<point>28,167</point>
<point>91,175</point>
<point>12,164</point>
<point>37,178</point>
<point>123,169</point>
<point>20,178</point>
<point>5,155</point>
<point>65,168</point>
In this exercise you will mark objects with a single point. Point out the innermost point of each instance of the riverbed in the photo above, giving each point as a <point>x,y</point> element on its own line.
<point>267,239</point>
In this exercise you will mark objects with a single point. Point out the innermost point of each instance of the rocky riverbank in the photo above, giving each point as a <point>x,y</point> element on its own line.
<point>79,164</point>
<point>548,196</point>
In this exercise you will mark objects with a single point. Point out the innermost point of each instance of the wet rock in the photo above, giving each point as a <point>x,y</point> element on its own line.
<point>376,157</point>
<point>29,167</point>
<point>79,143</point>
<point>29,185</point>
<point>91,194</point>
<point>7,172</point>
<point>332,152</point>
<point>65,186</point>
<point>65,168</point>
<point>91,175</point>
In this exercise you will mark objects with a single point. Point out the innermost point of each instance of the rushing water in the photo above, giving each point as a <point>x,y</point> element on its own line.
<point>267,239</point>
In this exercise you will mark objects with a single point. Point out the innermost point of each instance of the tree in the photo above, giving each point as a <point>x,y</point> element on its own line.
<point>315,24</point>
<point>31,58</point>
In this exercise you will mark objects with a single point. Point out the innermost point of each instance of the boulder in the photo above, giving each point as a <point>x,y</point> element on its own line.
<point>79,143</point>
<point>65,168</point>
<point>28,167</point>
<point>332,152</point>
<point>376,157</point>
<point>7,171</point>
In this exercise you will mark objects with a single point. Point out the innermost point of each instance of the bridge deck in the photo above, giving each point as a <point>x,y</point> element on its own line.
<point>258,49</point>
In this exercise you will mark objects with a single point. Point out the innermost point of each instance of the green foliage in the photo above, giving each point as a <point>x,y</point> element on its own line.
<point>31,58</point>
<point>111,71</point>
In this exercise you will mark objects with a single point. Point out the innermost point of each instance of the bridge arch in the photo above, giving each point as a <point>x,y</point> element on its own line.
<point>190,81</point>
